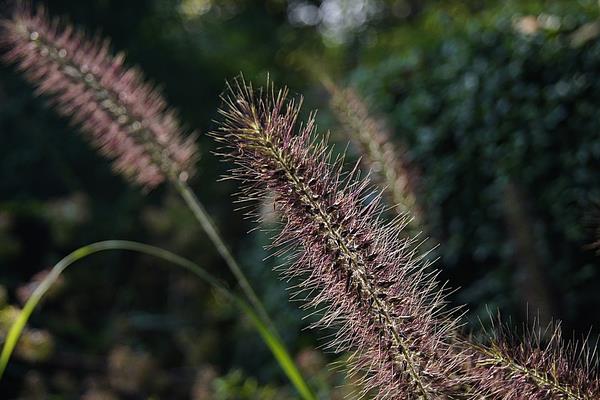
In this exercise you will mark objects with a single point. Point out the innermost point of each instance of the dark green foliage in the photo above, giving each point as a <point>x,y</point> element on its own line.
<point>485,106</point>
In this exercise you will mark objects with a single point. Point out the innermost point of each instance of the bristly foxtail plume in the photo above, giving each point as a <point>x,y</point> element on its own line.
<point>124,116</point>
<point>386,306</point>
<point>540,366</point>
<point>372,139</point>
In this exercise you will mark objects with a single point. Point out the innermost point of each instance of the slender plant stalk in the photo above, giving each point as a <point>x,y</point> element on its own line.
<point>211,230</point>
<point>271,340</point>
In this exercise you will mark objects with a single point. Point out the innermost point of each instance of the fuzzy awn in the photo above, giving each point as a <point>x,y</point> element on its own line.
<point>386,305</point>
<point>126,118</point>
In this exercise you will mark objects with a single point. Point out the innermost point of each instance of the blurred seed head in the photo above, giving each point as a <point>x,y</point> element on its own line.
<point>311,361</point>
<point>25,291</point>
<point>8,316</point>
<point>35,345</point>
<point>124,116</point>
<point>203,388</point>
<point>128,370</point>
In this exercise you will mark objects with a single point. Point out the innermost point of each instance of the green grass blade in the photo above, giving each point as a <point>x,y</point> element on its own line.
<point>279,352</point>
<point>271,339</point>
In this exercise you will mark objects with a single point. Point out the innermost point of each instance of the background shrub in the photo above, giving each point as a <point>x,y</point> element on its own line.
<point>502,122</point>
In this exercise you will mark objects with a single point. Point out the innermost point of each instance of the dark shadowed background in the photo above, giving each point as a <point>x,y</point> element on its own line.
<point>496,103</point>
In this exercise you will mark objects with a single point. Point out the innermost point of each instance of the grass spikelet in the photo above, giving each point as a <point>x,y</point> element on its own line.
<point>538,365</point>
<point>124,116</point>
<point>385,304</point>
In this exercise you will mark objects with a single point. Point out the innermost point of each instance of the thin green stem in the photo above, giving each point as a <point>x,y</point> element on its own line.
<point>211,230</point>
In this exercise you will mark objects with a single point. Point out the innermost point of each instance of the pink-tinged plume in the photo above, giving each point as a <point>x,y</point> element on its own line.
<point>540,366</point>
<point>126,118</point>
<point>388,161</point>
<point>386,306</point>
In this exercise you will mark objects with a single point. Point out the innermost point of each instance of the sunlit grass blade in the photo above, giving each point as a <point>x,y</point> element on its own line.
<point>271,339</point>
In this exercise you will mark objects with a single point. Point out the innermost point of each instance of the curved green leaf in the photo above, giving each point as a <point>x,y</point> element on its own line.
<point>271,339</point>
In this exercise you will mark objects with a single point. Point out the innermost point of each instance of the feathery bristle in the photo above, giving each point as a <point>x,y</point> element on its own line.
<point>538,366</point>
<point>386,160</point>
<point>126,118</point>
<point>386,305</point>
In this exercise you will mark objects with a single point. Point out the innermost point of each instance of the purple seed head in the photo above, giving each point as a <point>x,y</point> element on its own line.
<point>388,161</point>
<point>538,366</point>
<point>386,306</point>
<point>126,118</point>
